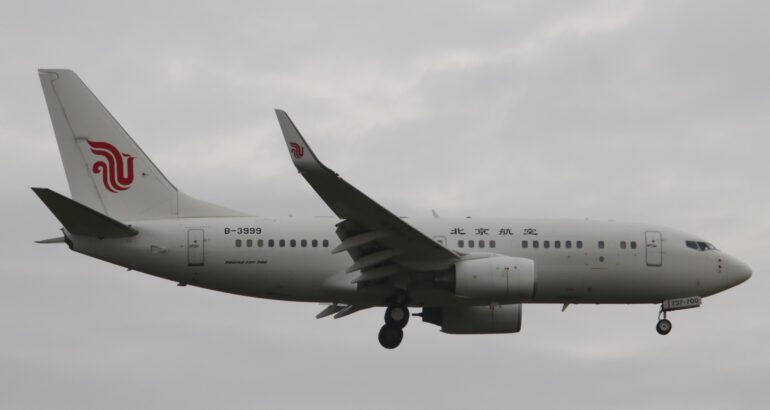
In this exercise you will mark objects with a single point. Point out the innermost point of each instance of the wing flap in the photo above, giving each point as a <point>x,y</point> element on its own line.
<point>339,311</point>
<point>376,274</point>
<point>349,311</point>
<point>370,260</point>
<point>329,310</point>
<point>358,241</point>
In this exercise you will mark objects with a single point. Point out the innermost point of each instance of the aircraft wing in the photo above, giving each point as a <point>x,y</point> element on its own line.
<point>380,243</point>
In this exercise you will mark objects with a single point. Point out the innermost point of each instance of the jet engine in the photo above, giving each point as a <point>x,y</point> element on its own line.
<point>494,279</point>
<point>475,319</point>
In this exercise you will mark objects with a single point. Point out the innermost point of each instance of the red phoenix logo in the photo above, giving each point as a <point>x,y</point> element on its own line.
<point>117,169</point>
<point>297,150</point>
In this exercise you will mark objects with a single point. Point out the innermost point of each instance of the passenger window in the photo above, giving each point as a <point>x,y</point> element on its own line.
<point>470,243</point>
<point>524,244</point>
<point>315,243</point>
<point>633,244</point>
<point>271,243</point>
<point>568,244</point>
<point>622,244</point>
<point>535,244</point>
<point>557,244</point>
<point>281,243</point>
<point>460,243</point>
<point>237,243</point>
<point>292,243</point>
<point>303,243</point>
<point>326,243</point>
<point>481,244</point>
<point>249,243</point>
<point>260,243</point>
<point>546,244</point>
<point>492,243</point>
<point>579,244</point>
<point>601,244</point>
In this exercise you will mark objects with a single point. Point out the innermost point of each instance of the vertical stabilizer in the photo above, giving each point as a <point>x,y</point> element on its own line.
<point>106,170</point>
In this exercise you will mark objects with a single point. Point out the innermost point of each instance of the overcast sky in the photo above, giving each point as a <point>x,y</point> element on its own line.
<point>640,111</point>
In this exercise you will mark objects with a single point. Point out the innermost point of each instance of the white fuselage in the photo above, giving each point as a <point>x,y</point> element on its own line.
<point>275,258</point>
<point>470,276</point>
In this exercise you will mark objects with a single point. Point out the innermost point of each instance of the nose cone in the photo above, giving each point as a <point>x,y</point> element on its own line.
<point>739,272</point>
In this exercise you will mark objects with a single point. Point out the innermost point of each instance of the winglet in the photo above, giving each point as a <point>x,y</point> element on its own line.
<point>301,154</point>
<point>80,219</point>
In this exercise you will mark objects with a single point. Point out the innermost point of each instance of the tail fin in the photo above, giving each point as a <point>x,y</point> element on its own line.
<point>106,170</point>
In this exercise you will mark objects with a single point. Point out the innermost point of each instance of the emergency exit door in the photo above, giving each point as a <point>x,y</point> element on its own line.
<point>654,248</point>
<point>195,247</point>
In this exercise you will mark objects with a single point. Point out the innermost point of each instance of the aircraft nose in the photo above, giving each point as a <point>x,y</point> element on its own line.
<point>739,272</point>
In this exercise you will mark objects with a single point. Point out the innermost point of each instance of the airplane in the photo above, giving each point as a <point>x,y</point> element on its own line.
<point>466,275</point>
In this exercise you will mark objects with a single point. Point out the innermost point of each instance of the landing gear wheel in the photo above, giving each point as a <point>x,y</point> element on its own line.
<point>663,327</point>
<point>390,336</point>
<point>397,316</point>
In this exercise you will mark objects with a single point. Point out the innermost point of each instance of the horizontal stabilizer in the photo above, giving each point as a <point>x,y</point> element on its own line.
<point>52,240</point>
<point>79,219</point>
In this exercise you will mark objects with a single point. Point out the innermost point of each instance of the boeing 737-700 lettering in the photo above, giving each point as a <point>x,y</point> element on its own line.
<point>468,276</point>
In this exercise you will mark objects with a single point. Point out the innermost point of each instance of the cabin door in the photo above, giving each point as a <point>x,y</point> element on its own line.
<point>195,247</point>
<point>654,248</point>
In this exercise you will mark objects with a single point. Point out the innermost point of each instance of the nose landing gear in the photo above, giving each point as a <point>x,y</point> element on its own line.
<point>664,325</point>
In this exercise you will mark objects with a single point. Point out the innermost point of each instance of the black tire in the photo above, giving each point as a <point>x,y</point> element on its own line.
<point>397,316</point>
<point>663,327</point>
<point>390,336</point>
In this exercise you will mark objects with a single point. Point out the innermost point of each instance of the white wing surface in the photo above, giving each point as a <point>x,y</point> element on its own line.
<point>381,244</point>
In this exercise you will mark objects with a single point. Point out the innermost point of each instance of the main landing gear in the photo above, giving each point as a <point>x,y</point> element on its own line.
<point>396,318</point>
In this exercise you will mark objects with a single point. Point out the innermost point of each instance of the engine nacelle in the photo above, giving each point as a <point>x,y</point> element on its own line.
<point>475,319</point>
<point>495,279</point>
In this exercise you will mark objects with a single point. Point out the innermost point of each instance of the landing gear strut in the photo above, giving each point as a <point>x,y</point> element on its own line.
<point>664,325</point>
<point>396,318</point>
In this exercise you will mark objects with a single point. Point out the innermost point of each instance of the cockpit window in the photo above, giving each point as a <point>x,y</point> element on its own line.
<point>700,246</point>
